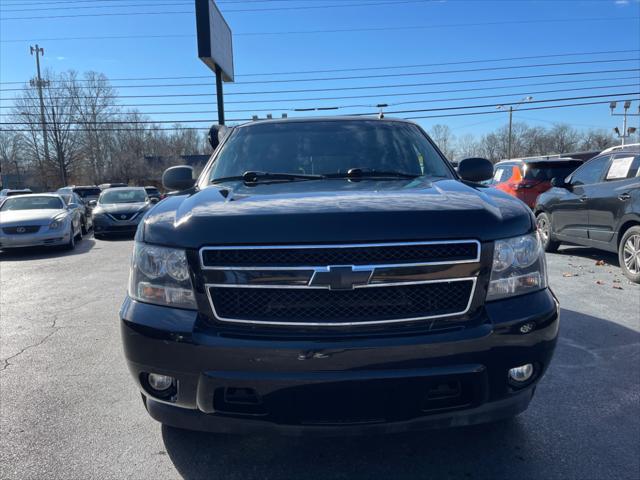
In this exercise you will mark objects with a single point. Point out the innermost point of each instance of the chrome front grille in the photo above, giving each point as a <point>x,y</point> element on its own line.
<point>341,285</point>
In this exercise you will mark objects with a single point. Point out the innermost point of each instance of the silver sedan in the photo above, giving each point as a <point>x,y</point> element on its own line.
<point>38,220</point>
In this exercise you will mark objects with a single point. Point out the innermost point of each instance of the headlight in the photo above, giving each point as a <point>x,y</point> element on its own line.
<point>160,275</point>
<point>57,223</point>
<point>518,267</point>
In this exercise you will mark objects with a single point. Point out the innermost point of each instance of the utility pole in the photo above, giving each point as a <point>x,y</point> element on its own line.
<point>510,127</point>
<point>626,132</point>
<point>511,109</point>
<point>39,83</point>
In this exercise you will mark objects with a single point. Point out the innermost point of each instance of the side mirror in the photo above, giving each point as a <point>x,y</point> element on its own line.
<point>93,203</point>
<point>178,178</point>
<point>560,183</point>
<point>217,134</point>
<point>154,199</point>
<point>475,169</point>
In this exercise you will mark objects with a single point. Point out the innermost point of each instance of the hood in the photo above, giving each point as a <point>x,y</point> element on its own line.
<point>335,211</point>
<point>29,217</point>
<point>121,208</point>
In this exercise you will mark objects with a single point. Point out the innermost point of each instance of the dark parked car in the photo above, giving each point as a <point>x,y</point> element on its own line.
<point>119,210</point>
<point>528,178</point>
<point>85,192</point>
<point>598,206</point>
<point>336,275</point>
<point>153,192</point>
<point>83,207</point>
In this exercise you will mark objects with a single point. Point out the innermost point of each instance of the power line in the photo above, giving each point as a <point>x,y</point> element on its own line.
<point>225,10</point>
<point>411,102</point>
<point>369,87</point>
<point>375,96</point>
<point>360,77</point>
<point>357,69</point>
<point>178,128</point>
<point>440,109</point>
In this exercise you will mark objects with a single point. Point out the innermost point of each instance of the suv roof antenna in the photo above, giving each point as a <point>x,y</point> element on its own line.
<point>381,106</point>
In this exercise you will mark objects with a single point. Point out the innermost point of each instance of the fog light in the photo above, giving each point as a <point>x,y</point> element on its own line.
<point>522,373</point>
<point>160,382</point>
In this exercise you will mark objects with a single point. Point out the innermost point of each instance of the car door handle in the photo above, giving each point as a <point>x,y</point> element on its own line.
<point>624,196</point>
<point>584,198</point>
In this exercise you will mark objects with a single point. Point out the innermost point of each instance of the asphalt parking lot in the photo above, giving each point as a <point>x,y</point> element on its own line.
<point>68,408</point>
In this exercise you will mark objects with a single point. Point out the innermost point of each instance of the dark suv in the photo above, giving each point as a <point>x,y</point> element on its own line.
<point>598,206</point>
<point>336,275</point>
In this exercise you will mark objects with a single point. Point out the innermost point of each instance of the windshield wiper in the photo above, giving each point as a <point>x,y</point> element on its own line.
<point>372,173</point>
<point>256,177</point>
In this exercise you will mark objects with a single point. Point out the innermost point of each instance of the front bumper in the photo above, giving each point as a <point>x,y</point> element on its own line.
<point>360,384</point>
<point>38,239</point>
<point>105,225</point>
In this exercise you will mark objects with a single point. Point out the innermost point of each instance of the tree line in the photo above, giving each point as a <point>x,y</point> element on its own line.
<point>83,149</point>
<point>526,141</point>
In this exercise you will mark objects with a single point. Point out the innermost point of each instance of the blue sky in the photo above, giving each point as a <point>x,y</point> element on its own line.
<point>440,32</point>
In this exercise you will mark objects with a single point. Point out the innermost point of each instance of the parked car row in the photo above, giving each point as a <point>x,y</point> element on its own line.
<point>594,203</point>
<point>63,217</point>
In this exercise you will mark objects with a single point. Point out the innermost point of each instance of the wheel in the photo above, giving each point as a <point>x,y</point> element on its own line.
<point>629,254</point>
<point>72,240</point>
<point>79,234</point>
<point>85,229</point>
<point>544,227</point>
<point>98,236</point>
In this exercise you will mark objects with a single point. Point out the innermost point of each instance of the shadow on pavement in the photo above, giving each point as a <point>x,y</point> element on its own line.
<point>591,253</point>
<point>38,253</point>
<point>583,423</point>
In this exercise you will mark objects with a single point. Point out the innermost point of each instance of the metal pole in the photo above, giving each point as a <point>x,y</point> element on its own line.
<point>219,95</point>
<point>510,125</point>
<point>624,127</point>
<point>40,83</point>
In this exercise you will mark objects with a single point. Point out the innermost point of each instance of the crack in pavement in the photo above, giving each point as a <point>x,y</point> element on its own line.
<point>37,344</point>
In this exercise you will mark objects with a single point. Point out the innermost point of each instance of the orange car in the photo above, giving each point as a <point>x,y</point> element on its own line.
<point>528,178</point>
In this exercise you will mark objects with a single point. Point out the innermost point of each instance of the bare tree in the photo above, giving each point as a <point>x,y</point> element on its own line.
<point>466,146</point>
<point>11,148</point>
<point>444,138</point>
<point>94,106</point>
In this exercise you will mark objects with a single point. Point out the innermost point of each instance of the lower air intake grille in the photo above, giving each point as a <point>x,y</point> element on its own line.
<point>326,307</point>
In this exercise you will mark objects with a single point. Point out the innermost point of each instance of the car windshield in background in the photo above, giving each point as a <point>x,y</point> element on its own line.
<point>152,191</point>
<point>31,202</point>
<point>329,148</point>
<point>88,192</point>
<point>123,196</point>
<point>545,171</point>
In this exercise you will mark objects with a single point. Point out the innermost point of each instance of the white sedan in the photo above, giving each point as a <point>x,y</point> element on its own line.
<point>39,220</point>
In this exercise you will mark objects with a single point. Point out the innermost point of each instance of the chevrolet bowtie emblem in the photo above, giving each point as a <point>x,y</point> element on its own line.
<point>341,278</point>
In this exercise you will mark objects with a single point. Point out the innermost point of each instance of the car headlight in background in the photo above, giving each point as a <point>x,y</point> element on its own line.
<point>160,275</point>
<point>519,267</point>
<point>57,223</point>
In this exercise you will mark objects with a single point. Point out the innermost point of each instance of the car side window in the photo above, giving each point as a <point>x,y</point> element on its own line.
<point>502,174</point>
<point>590,172</point>
<point>623,166</point>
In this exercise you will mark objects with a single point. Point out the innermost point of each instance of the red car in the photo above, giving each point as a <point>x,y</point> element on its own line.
<point>528,178</point>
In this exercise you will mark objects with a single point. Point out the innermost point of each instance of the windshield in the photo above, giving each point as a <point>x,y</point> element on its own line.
<point>545,171</point>
<point>32,202</point>
<point>151,190</point>
<point>88,192</point>
<point>123,196</point>
<point>329,147</point>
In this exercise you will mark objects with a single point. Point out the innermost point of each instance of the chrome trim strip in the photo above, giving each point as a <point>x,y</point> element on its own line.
<point>341,246</point>
<point>343,324</point>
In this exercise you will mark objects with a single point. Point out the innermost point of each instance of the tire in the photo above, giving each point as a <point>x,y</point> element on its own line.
<point>72,240</point>
<point>544,227</point>
<point>79,234</point>
<point>98,236</point>
<point>629,254</point>
<point>85,229</point>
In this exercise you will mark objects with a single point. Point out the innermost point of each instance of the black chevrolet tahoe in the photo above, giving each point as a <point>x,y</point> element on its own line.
<point>336,276</point>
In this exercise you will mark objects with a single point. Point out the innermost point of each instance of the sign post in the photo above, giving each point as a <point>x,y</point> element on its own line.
<point>215,47</point>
